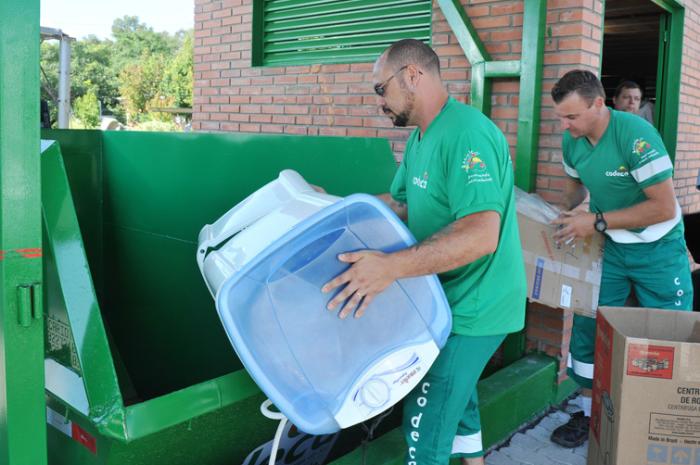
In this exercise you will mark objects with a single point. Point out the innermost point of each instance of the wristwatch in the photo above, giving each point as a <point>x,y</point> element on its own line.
<point>600,224</point>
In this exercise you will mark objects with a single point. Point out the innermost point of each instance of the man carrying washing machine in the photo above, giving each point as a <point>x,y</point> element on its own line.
<point>622,162</point>
<point>455,189</point>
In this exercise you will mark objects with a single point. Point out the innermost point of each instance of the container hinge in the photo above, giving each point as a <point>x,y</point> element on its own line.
<point>30,304</point>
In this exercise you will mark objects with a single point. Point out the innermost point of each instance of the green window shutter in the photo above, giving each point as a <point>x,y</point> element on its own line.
<point>302,32</point>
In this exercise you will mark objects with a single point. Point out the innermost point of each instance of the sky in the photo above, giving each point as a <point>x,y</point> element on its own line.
<point>80,18</point>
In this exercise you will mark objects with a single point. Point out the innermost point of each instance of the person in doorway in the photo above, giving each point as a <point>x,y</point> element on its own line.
<point>455,188</point>
<point>628,97</point>
<point>622,162</point>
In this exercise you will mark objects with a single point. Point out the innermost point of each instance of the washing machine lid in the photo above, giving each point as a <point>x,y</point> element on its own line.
<point>305,358</point>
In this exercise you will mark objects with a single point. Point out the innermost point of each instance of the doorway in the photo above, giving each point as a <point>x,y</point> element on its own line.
<point>642,42</point>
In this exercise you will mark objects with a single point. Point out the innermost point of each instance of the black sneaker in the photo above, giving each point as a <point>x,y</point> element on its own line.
<point>574,433</point>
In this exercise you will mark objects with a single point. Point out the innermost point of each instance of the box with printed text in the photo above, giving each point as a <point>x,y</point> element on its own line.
<point>558,275</point>
<point>646,388</point>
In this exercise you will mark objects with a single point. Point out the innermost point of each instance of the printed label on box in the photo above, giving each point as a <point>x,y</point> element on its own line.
<point>650,361</point>
<point>537,284</point>
<point>565,299</point>
<point>674,425</point>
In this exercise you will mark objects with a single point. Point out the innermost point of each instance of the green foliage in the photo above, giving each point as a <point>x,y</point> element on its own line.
<point>139,83</point>
<point>92,70</point>
<point>86,109</point>
<point>137,70</point>
<point>133,39</point>
<point>178,79</point>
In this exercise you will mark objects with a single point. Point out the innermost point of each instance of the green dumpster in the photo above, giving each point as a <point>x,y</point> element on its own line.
<point>138,368</point>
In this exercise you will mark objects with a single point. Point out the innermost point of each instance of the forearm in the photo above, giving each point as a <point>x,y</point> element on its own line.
<point>398,207</point>
<point>460,243</point>
<point>643,214</point>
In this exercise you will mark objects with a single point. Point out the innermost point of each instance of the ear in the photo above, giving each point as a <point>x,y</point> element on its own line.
<point>413,75</point>
<point>599,102</point>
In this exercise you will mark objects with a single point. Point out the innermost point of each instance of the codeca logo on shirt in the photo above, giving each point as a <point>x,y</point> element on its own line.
<point>421,182</point>
<point>621,172</point>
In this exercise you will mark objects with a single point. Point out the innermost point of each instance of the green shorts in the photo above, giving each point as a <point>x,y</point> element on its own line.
<point>441,415</point>
<point>658,271</point>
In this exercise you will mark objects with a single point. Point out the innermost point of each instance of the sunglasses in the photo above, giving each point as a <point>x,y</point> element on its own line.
<point>380,88</point>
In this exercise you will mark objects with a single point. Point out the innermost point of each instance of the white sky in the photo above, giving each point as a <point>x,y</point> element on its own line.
<point>79,18</point>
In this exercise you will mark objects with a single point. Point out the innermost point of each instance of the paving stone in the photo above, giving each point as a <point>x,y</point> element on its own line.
<point>533,446</point>
<point>498,458</point>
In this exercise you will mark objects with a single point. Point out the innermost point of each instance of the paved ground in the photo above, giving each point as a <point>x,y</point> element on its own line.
<point>533,447</point>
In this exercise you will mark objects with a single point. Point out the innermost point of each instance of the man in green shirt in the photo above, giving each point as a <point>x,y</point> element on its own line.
<point>620,159</point>
<point>455,189</point>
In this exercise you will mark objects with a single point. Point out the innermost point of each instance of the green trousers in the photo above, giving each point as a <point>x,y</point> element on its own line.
<point>659,273</point>
<point>441,415</point>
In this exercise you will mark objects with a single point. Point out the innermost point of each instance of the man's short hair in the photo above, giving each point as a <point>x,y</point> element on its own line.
<point>584,83</point>
<point>412,51</point>
<point>627,85</point>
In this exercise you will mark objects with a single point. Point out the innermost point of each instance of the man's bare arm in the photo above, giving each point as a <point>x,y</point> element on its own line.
<point>461,242</point>
<point>660,206</point>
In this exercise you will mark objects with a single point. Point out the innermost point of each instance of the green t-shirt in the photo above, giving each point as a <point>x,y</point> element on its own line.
<point>629,157</point>
<point>461,166</point>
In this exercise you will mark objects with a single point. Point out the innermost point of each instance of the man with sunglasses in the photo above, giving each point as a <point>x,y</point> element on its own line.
<point>621,161</point>
<point>455,188</point>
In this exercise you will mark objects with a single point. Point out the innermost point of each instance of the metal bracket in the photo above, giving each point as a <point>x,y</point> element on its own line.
<point>30,304</point>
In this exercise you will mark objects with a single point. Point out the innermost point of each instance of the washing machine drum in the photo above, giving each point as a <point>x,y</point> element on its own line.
<point>322,372</point>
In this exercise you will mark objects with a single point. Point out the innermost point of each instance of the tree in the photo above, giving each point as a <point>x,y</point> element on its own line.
<point>92,70</point>
<point>139,83</point>
<point>132,39</point>
<point>178,79</point>
<point>87,109</point>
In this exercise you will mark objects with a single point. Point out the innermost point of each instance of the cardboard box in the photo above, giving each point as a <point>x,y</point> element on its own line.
<point>646,389</point>
<point>566,276</point>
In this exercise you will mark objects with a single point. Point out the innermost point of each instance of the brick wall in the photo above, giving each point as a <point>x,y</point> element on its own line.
<point>688,148</point>
<point>338,100</point>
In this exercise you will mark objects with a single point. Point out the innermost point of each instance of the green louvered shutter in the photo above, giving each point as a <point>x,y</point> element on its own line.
<point>302,32</point>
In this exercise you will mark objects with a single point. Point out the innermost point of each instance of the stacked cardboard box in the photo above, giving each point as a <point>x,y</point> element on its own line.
<point>558,275</point>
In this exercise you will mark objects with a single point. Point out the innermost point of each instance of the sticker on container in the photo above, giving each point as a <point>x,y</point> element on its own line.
<point>71,429</point>
<point>650,361</point>
<point>565,299</point>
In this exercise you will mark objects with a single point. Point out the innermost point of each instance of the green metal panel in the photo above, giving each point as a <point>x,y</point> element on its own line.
<point>22,412</point>
<point>532,60</point>
<point>323,31</point>
<point>76,335</point>
<point>507,400</point>
<point>161,383</point>
<point>84,170</point>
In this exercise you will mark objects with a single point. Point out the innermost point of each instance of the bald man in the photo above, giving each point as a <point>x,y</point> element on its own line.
<point>455,189</point>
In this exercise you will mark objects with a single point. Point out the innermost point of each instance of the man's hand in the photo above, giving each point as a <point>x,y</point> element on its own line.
<point>370,274</point>
<point>573,224</point>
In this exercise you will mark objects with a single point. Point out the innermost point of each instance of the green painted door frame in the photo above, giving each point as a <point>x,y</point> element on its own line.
<point>529,70</point>
<point>22,402</point>
<point>668,76</point>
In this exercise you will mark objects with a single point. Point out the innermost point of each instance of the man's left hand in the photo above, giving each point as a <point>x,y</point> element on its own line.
<point>573,225</point>
<point>371,272</point>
